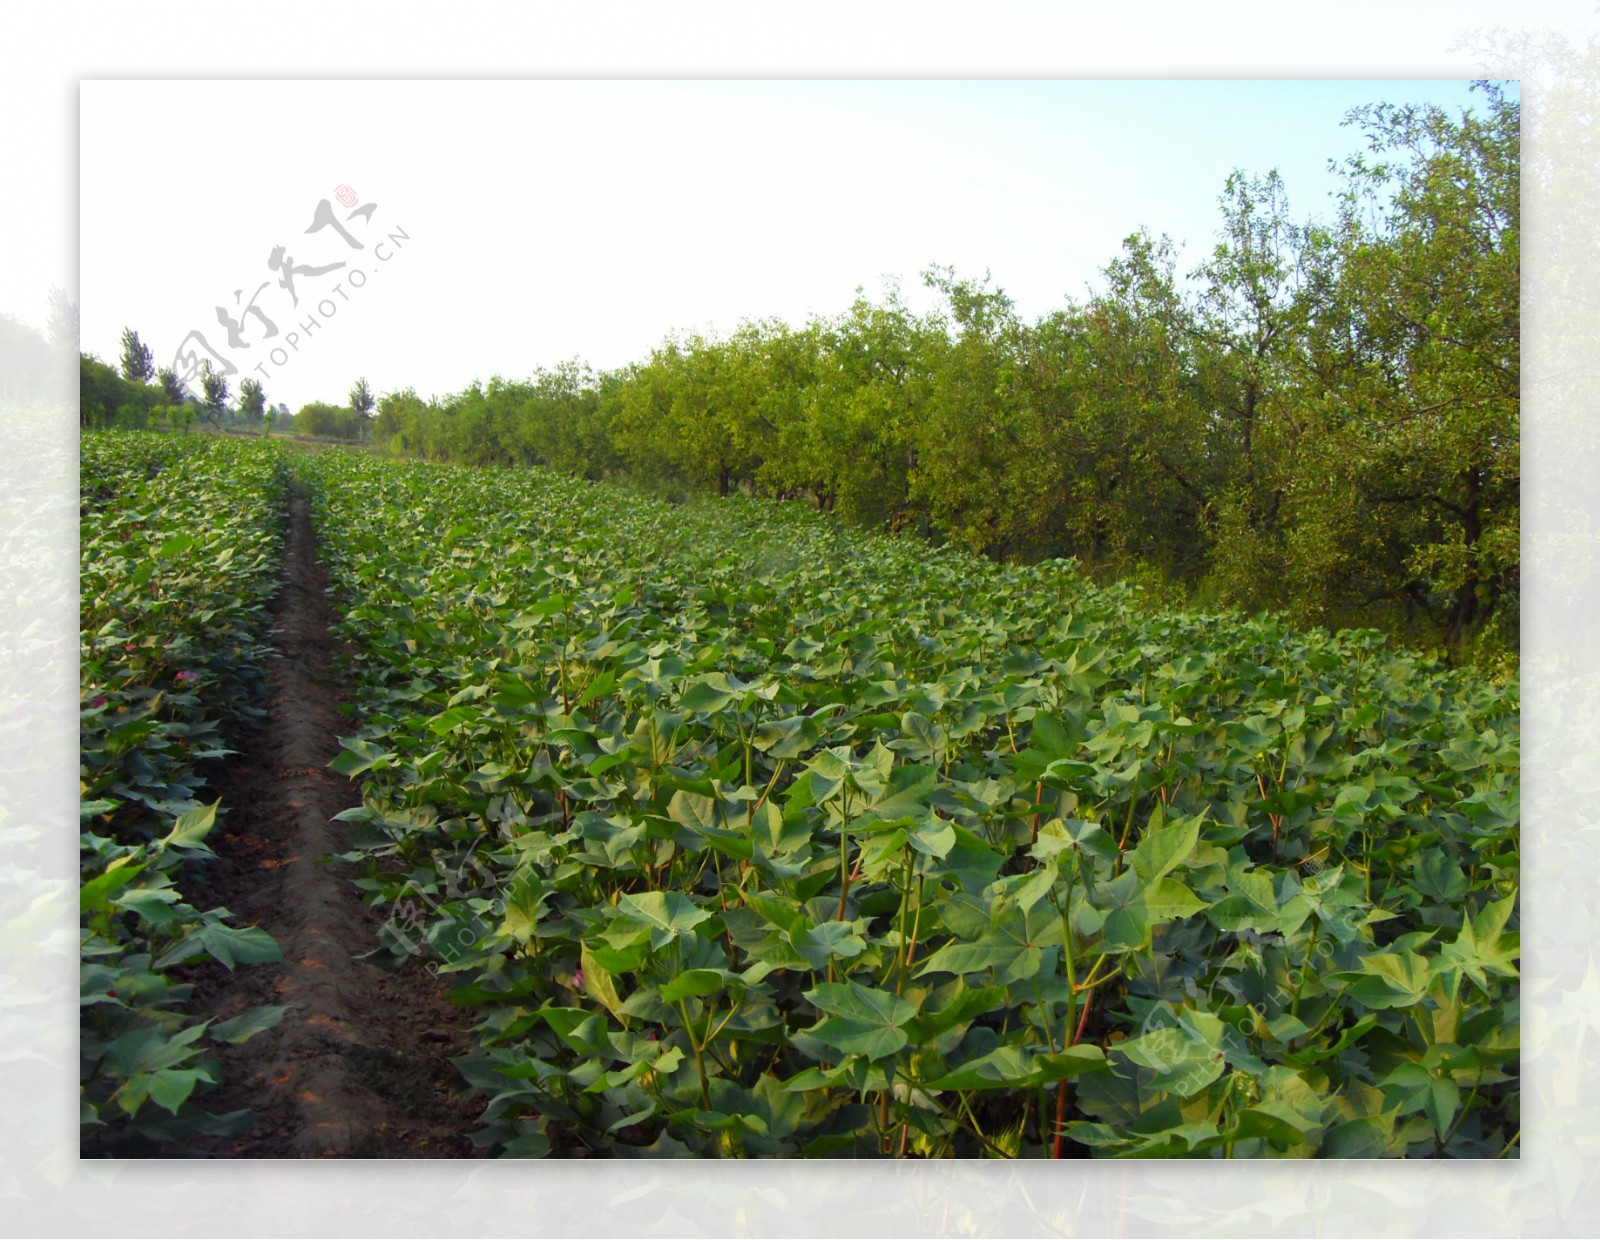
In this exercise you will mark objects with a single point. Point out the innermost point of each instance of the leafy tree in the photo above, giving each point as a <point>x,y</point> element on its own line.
<point>562,412</point>
<point>252,401</point>
<point>872,382</point>
<point>100,391</point>
<point>1421,416</point>
<point>173,390</point>
<point>216,394</point>
<point>327,421</point>
<point>137,364</point>
<point>397,417</point>
<point>105,398</point>
<point>361,405</point>
<point>977,472</point>
<point>1245,327</point>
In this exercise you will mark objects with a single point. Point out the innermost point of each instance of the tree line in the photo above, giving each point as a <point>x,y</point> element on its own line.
<point>1321,416</point>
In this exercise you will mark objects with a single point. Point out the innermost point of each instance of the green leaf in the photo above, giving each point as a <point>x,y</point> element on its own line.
<point>598,983</point>
<point>1388,980</point>
<point>829,940</point>
<point>1159,851</point>
<point>1013,946</point>
<point>170,1088</point>
<point>1253,906</point>
<point>176,544</point>
<point>226,945</point>
<point>192,828</point>
<point>96,893</point>
<point>1016,1067</point>
<point>691,810</point>
<point>1006,1067</point>
<point>858,1002</point>
<point>158,906</point>
<point>248,1023</point>
<point>1182,1063</point>
<point>667,913</point>
<point>1167,899</point>
<point>924,740</point>
<point>1484,948</point>
<point>694,983</point>
<point>861,1020</point>
<point>709,695</point>
<point>359,756</point>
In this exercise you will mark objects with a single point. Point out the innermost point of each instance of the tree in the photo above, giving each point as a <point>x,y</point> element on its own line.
<point>361,403</point>
<point>252,402</point>
<point>215,386</point>
<point>137,364</point>
<point>173,390</point>
<point>1246,325</point>
<point>325,421</point>
<point>100,392</point>
<point>978,472</point>
<point>1424,421</point>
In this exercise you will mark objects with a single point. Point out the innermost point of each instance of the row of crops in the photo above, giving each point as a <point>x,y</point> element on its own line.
<point>748,835</point>
<point>179,551</point>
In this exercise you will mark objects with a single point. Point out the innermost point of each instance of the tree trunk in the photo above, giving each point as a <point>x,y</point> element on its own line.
<point>1466,612</point>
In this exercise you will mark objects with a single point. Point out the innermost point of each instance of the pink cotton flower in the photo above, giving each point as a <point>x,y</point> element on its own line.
<point>185,677</point>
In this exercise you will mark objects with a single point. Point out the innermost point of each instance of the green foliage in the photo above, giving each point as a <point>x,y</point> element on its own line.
<point>252,402</point>
<point>179,555</point>
<point>1322,419</point>
<point>214,388</point>
<point>324,421</point>
<point>137,365</point>
<point>173,390</point>
<point>361,399</point>
<point>751,835</point>
<point>106,399</point>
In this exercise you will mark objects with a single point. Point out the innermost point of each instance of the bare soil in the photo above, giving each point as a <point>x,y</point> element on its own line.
<point>360,1064</point>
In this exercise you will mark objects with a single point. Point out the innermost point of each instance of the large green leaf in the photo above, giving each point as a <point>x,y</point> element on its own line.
<point>669,914</point>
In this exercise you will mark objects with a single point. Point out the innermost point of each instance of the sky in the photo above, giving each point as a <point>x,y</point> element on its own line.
<point>507,225</point>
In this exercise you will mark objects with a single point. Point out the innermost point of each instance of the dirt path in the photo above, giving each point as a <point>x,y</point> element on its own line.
<point>359,1066</point>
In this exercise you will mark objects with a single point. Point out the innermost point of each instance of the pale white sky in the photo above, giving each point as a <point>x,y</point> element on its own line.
<point>544,220</point>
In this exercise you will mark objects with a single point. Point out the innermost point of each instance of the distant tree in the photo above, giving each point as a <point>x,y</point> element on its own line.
<point>321,419</point>
<point>100,391</point>
<point>137,364</point>
<point>62,324</point>
<point>361,405</point>
<point>397,412</point>
<point>173,390</point>
<point>216,393</point>
<point>252,402</point>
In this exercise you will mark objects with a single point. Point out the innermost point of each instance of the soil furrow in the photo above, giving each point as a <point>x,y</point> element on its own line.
<point>359,1065</point>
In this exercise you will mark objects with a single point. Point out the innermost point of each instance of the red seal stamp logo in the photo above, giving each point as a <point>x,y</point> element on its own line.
<point>346,195</point>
